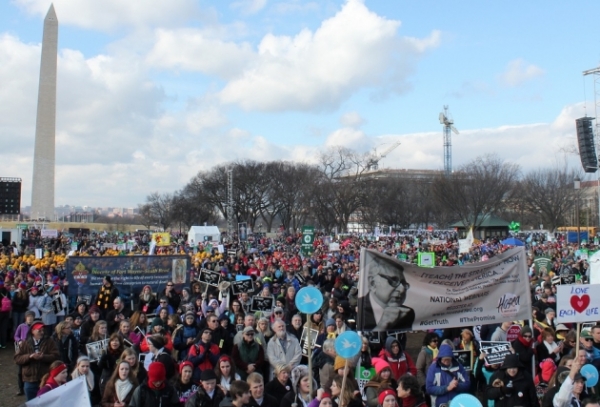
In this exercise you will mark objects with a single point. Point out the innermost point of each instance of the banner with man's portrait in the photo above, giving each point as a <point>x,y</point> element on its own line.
<point>394,295</point>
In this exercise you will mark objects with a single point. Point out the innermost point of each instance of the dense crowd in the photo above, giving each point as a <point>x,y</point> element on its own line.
<point>199,345</point>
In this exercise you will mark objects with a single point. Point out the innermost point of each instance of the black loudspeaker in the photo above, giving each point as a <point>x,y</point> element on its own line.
<point>585,139</point>
<point>10,196</point>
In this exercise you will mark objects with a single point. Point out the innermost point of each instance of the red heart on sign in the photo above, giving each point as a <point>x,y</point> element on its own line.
<point>579,304</point>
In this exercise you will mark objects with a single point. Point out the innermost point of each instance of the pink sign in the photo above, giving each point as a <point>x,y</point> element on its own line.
<point>513,332</point>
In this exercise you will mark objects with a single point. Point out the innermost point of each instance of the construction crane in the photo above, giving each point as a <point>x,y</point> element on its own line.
<point>373,163</point>
<point>448,127</point>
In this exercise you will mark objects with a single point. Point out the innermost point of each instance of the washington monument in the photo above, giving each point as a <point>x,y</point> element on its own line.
<point>42,196</point>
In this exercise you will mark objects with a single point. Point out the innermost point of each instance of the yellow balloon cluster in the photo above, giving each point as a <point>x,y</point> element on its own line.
<point>202,256</point>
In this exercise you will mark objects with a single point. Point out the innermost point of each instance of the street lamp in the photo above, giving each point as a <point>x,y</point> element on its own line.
<point>576,187</point>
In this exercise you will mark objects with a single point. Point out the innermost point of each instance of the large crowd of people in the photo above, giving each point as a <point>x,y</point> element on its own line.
<point>198,345</point>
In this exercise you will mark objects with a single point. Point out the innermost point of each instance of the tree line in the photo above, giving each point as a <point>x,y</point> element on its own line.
<point>342,188</point>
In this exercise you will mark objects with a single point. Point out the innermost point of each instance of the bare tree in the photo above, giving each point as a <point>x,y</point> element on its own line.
<point>160,209</point>
<point>476,189</point>
<point>339,190</point>
<point>549,192</point>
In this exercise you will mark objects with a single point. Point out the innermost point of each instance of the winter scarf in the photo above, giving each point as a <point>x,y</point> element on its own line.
<point>122,388</point>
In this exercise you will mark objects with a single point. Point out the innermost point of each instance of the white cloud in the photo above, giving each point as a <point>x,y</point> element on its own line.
<point>249,6</point>
<point>199,50</point>
<point>519,71</point>
<point>318,70</point>
<point>352,119</point>
<point>107,15</point>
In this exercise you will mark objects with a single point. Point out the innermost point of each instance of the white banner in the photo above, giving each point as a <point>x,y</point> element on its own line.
<point>400,296</point>
<point>594,269</point>
<point>74,393</point>
<point>49,233</point>
<point>574,303</point>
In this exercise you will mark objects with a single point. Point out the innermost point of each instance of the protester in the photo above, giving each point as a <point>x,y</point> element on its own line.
<point>57,376</point>
<point>512,385</point>
<point>156,391</point>
<point>119,387</point>
<point>35,355</point>
<point>82,369</point>
<point>446,378</point>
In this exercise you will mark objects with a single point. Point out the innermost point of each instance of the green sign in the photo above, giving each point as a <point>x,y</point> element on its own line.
<point>402,257</point>
<point>22,226</point>
<point>542,265</point>
<point>308,238</point>
<point>426,259</point>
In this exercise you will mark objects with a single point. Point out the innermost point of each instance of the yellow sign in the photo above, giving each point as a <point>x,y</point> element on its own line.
<point>161,239</point>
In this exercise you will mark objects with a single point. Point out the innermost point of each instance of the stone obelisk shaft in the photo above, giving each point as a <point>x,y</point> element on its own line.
<point>42,197</point>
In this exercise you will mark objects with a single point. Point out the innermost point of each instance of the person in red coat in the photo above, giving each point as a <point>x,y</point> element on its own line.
<point>204,354</point>
<point>399,361</point>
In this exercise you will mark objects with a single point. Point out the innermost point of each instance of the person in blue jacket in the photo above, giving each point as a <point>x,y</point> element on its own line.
<point>446,378</point>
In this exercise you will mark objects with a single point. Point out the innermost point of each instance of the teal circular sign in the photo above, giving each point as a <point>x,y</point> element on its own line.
<point>591,375</point>
<point>465,400</point>
<point>348,344</point>
<point>309,300</point>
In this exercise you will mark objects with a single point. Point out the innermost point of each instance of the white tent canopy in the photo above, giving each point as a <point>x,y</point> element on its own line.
<point>204,234</point>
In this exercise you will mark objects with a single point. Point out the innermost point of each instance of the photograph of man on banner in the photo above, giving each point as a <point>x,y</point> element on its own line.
<point>384,290</point>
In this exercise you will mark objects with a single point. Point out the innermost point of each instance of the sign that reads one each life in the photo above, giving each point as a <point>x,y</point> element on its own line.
<point>574,303</point>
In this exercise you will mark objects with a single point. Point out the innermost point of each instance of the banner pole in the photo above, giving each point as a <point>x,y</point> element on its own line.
<point>309,349</point>
<point>577,340</point>
<point>344,383</point>
<point>532,342</point>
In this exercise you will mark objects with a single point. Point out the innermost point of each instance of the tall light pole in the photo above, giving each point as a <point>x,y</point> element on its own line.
<point>576,187</point>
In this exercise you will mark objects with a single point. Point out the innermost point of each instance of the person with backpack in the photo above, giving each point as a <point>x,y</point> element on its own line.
<point>5,308</point>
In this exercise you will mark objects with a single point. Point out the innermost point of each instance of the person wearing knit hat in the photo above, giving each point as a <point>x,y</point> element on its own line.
<point>383,379</point>
<point>300,386</point>
<point>387,398</point>
<point>57,376</point>
<point>185,335</point>
<point>325,399</point>
<point>184,385</point>
<point>208,394</point>
<point>106,294</point>
<point>156,391</point>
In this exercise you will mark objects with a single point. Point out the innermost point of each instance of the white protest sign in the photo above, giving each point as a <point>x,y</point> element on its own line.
<point>463,246</point>
<point>574,303</point>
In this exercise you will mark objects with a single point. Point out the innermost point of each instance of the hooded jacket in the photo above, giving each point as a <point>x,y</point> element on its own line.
<point>523,390</point>
<point>439,377</point>
<point>400,363</point>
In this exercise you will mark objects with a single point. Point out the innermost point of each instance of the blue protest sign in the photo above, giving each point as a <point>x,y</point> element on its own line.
<point>309,300</point>
<point>591,375</point>
<point>465,400</point>
<point>348,344</point>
